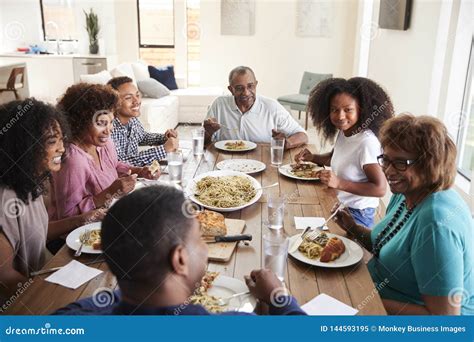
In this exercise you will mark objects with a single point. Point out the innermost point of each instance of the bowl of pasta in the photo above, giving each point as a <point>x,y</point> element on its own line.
<point>224,190</point>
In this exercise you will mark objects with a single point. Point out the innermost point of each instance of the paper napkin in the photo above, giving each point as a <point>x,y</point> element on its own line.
<point>73,275</point>
<point>324,305</point>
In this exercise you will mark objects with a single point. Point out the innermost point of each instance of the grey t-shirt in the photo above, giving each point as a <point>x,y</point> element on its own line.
<point>25,227</point>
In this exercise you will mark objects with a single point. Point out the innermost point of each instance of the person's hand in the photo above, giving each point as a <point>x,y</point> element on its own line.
<point>145,172</point>
<point>124,184</point>
<point>171,144</point>
<point>329,178</point>
<point>211,126</point>
<point>94,215</point>
<point>344,219</point>
<point>171,133</point>
<point>304,155</point>
<point>263,284</point>
<point>277,134</point>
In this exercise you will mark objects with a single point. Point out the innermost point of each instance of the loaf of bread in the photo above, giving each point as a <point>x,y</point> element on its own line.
<point>212,223</point>
<point>333,250</point>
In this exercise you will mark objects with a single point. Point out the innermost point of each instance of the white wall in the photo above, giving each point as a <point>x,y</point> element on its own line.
<point>276,54</point>
<point>402,61</point>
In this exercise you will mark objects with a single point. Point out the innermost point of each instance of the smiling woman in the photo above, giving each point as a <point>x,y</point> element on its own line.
<point>422,247</point>
<point>31,143</point>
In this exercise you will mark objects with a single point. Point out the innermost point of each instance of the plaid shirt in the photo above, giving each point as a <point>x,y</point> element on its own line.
<point>128,137</point>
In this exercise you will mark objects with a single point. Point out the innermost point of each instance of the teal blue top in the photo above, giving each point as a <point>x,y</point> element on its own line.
<point>433,254</point>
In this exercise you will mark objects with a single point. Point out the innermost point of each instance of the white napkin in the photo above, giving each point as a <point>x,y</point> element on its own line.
<point>313,222</point>
<point>324,305</point>
<point>73,275</point>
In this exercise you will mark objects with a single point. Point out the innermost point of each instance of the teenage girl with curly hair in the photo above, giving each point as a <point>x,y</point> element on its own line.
<point>351,112</point>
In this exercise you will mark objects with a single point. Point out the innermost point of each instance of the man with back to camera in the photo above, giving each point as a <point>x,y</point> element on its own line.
<point>244,115</point>
<point>159,258</point>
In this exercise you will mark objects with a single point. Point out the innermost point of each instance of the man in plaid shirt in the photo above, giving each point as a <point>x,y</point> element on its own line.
<point>129,133</point>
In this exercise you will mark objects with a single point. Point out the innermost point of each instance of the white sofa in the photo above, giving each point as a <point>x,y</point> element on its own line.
<point>184,105</point>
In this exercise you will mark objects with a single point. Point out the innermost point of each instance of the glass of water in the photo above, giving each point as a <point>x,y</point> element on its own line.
<point>277,148</point>
<point>198,141</point>
<point>276,211</point>
<point>175,166</point>
<point>275,248</point>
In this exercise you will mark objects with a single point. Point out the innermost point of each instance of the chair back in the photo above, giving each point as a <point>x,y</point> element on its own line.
<point>310,80</point>
<point>16,76</point>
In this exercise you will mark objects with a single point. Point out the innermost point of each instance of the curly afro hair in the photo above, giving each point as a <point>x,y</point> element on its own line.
<point>82,102</point>
<point>24,129</point>
<point>374,104</point>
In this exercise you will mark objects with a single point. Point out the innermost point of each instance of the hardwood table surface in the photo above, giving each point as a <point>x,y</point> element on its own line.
<point>351,285</point>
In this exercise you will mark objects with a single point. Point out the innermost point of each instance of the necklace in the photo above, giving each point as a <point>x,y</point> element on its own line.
<point>385,235</point>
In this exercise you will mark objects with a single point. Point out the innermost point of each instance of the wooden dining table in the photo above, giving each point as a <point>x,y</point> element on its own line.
<point>351,285</point>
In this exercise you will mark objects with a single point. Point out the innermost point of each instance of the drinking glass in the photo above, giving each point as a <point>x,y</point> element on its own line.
<point>175,166</point>
<point>198,141</point>
<point>276,211</point>
<point>277,148</point>
<point>275,249</point>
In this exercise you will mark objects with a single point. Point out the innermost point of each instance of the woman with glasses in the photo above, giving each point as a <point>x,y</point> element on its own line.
<point>351,112</point>
<point>423,249</point>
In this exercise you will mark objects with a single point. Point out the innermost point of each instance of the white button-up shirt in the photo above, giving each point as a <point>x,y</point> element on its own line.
<point>254,125</point>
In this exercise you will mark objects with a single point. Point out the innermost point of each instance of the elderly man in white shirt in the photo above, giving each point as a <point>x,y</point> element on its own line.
<point>248,116</point>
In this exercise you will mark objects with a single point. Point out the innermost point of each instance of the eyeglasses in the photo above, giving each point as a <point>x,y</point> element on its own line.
<point>240,89</point>
<point>398,164</point>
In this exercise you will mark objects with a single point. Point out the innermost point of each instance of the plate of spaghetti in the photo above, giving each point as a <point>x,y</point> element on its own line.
<point>235,145</point>
<point>224,190</point>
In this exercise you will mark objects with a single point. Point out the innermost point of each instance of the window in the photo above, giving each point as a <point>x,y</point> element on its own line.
<point>465,138</point>
<point>156,23</point>
<point>58,20</point>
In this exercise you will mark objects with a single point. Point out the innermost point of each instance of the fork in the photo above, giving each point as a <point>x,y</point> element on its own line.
<point>313,234</point>
<point>225,301</point>
<point>83,239</point>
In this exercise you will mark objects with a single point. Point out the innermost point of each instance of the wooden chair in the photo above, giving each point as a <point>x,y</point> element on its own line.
<point>15,81</point>
<point>299,101</point>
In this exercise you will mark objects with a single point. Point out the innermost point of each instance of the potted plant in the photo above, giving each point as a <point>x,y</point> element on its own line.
<point>93,28</point>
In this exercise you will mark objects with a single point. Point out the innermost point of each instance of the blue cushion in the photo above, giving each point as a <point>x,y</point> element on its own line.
<point>164,75</point>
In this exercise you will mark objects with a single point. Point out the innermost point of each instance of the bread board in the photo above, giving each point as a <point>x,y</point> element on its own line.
<point>222,251</point>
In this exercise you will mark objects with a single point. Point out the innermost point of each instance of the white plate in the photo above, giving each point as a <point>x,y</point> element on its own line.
<point>242,165</point>
<point>74,242</point>
<point>224,287</point>
<point>191,189</point>
<point>248,145</point>
<point>352,255</point>
<point>286,171</point>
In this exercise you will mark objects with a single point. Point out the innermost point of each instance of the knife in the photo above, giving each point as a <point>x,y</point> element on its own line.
<point>49,270</point>
<point>228,238</point>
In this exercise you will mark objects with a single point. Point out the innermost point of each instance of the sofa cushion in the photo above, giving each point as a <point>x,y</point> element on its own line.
<point>164,75</point>
<point>100,78</point>
<point>140,70</point>
<point>152,88</point>
<point>124,69</point>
